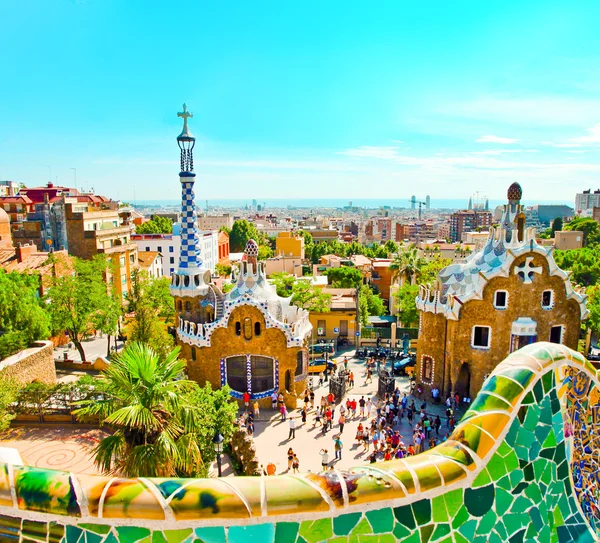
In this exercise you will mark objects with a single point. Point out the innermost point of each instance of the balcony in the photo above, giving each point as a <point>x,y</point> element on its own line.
<point>107,232</point>
<point>115,249</point>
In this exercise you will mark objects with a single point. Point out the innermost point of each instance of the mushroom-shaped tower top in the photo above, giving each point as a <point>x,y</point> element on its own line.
<point>251,252</point>
<point>515,193</point>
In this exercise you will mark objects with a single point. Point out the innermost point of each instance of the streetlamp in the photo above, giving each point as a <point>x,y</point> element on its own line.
<point>218,444</point>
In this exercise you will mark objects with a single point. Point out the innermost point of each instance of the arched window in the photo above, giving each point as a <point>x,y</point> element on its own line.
<point>248,328</point>
<point>299,363</point>
<point>193,353</point>
<point>257,328</point>
<point>180,305</point>
<point>238,328</point>
<point>188,306</point>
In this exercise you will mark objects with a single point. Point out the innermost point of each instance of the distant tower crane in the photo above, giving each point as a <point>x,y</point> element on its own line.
<point>413,201</point>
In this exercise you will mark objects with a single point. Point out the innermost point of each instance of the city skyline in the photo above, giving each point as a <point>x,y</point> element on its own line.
<point>336,101</point>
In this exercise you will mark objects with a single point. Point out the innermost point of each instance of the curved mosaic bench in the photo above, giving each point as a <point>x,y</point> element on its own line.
<point>503,476</point>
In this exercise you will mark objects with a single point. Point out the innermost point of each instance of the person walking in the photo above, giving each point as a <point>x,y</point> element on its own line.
<point>283,411</point>
<point>292,423</point>
<point>324,459</point>
<point>304,412</point>
<point>312,398</point>
<point>295,464</point>
<point>290,458</point>
<point>368,406</point>
<point>321,378</point>
<point>246,397</point>
<point>274,401</point>
<point>436,424</point>
<point>369,378</point>
<point>256,409</point>
<point>361,404</point>
<point>338,445</point>
<point>351,380</point>
<point>341,422</point>
<point>317,418</point>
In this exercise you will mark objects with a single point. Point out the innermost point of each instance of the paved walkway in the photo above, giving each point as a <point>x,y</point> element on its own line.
<point>55,447</point>
<point>271,435</point>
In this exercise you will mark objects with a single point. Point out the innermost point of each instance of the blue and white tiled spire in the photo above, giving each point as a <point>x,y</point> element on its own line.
<point>191,278</point>
<point>189,257</point>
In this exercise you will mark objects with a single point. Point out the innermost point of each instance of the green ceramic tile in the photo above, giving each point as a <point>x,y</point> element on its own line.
<point>314,531</point>
<point>177,536</point>
<point>37,531</point>
<point>343,524</point>
<point>440,531</point>
<point>363,528</point>
<point>213,534</point>
<point>101,529</point>
<point>426,532</point>
<point>482,479</point>
<point>265,533</point>
<point>381,520</point>
<point>454,501</point>
<point>422,511</point>
<point>438,508</point>
<point>129,534</point>
<point>405,516</point>
<point>400,531</point>
<point>158,537</point>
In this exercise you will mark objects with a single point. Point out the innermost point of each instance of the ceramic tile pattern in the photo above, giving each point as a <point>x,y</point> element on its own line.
<point>521,466</point>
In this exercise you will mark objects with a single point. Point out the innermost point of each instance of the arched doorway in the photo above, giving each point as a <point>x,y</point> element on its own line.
<point>463,382</point>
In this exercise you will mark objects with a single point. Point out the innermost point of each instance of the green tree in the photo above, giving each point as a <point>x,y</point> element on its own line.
<point>370,304</point>
<point>154,430</point>
<point>156,225</point>
<point>584,263</point>
<point>76,303</point>
<point>8,395</point>
<point>241,232</point>
<point>22,318</point>
<point>223,270</point>
<point>344,277</point>
<point>593,305</point>
<point>406,303</point>
<point>225,229</point>
<point>429,270</point>
<point>589,227</point>
<point>152,305</point>
<point>355,248</point>
<point>557,225</point>
<point>390,247</point>
<point>283,283</point>
<point>307,296</point>
<point>408,263</point>
<point>264,252</point>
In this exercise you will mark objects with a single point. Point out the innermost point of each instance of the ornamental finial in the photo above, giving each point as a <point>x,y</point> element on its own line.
<point>185,115</point>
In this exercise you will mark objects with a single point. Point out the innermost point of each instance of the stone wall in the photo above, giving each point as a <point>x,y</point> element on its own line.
<point>33,364</point>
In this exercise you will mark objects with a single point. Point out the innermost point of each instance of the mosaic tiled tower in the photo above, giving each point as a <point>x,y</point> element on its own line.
<point>190,279</point>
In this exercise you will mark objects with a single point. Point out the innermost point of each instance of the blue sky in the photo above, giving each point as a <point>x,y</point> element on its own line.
<point>299,99</point>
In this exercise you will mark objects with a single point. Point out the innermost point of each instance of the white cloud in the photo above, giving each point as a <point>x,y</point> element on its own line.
<point>503,151</point>
<point>592,137</point>
<point>495,139</point>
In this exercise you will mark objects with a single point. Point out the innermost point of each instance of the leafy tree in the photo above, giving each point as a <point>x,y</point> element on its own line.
<point>408,263</point>
<point>307,296</point>
<point>156,225</point>
<point>407,308</point>
<point>390,247</point>
<point>241,232</point>
<point>151,302</point>
<point>22,318</point>
<point>370,304</point>
<point>264,252</point>
<point>77,304</point>
<point>344,277</point>
<point>155,428</point>
<point>355,248</point>
<point>283,283</point>
<point>225,229</point>
<point>557,225</point>
<point>429,270</point>
<point>584,263</point>
<point>589,227</point>
<point>8,394</point>
<point>593,305</point>
<point>227,287</point>
<point>223,270</point>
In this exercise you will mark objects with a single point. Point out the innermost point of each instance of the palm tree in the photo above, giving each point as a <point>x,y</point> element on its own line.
<point>154,432</point>
<point>408,263</point>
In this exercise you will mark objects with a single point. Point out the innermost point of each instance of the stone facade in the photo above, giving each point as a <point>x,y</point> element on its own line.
<point>210,363</point>
<point>33,364</point>
<point>507,295</point>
